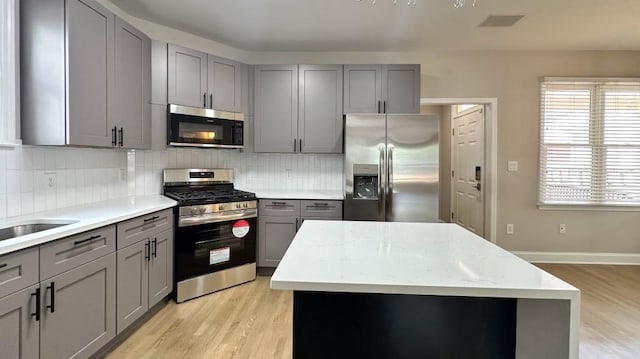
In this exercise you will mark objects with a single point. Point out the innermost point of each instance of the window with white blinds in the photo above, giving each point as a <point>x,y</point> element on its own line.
<point>8,72</point>
<point>589,142</point>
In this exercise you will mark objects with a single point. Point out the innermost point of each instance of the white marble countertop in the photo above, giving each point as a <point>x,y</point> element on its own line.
<point>85,218</point>
<point>409,258</point>
<point>299,194</point>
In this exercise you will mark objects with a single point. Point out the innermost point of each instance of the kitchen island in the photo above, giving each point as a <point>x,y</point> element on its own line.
<point>407,290</point>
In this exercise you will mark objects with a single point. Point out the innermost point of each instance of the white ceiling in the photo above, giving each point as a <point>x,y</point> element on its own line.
<point>347,25</point>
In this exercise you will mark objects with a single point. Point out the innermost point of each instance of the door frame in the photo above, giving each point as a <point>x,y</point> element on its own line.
<point>490,154</point>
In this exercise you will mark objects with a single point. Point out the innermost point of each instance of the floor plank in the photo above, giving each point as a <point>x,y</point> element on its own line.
<point>253,321</point>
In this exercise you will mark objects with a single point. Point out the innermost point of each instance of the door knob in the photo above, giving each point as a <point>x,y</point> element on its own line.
<point>477,186</point>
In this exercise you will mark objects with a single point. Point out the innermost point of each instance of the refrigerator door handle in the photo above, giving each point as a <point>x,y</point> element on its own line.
<point>389,181</point>
<point>381,191</point>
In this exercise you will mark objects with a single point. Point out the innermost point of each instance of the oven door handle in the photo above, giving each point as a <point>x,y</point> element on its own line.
<point>186,221</point>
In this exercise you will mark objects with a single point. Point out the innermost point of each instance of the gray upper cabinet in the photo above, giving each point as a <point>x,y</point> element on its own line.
<point>159,69</point>
<point>200,80</point>
<point>276,108</point>
<point>79,310</point>
<point>224,84</point>
<point>320,109</point>
<point>84,76</point>
<point>187,77</point>
<point>381,88</point>
<point>362,89</point>
<point>133,86</point>
<point>19,329</point>
<point>298,108</point>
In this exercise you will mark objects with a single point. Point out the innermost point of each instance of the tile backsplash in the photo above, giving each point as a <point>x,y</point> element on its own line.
<point>36,178</point>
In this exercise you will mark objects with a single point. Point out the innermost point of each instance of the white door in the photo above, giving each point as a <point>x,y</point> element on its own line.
<point>468,169</point>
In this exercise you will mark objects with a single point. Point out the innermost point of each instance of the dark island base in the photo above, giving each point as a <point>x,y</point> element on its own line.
<point>361,325</point>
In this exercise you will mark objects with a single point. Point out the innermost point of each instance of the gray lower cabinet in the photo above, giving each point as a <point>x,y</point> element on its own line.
<point>78,310</point>
<point>19,329</point>
<point>279,220</point>
<point>382,88</point>
<point>145,276</point>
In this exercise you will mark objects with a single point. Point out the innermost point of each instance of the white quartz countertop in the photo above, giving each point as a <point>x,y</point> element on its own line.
<point>85,218</point>
<point>409,258</point>
<point>299,194</point>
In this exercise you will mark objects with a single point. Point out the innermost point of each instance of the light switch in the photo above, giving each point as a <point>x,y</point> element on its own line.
<point>512,166</point>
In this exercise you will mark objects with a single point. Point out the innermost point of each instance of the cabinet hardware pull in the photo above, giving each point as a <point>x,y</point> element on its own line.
<point>52,289</point>
<point>155,248</point>
<point>3,265</point>
<point>297,219</point>
<point>384,108</point>
<point>85,240</point>
<point>278,203</point>
<point>114,136</point>
<point>318,204</point>
<point>37,313</point>
<point>211,101</point>
<point>147,254</point>
<point>300,147</point>
<point>379,106</point>
<point>121,131</point>
<point>294,145</point>
<point>151,219</point>
<point>204,100</point>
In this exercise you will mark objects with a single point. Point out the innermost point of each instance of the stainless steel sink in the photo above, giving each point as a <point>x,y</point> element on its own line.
<point>31,227</point>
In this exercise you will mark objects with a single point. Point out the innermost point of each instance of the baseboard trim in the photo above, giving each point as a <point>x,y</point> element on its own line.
<point>580,258</point>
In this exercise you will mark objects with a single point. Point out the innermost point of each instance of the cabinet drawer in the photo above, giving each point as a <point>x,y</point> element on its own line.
<point>68,253</point>
<point>139,228</point>
<point>18,271</point>
<point>321,209</point>
<point>278,207</point>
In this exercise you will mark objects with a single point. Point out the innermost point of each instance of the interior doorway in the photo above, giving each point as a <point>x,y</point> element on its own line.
<point>486,137</point>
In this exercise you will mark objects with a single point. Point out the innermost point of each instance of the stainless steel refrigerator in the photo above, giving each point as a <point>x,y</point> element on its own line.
<point>391,167</point>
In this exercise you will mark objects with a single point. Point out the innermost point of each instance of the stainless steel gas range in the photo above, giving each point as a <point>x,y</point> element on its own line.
<point>216,226</point>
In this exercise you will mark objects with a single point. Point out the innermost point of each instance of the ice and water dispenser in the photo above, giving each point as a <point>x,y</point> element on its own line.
<point>365,182</point>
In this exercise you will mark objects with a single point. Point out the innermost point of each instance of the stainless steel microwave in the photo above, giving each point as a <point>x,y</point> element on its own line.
<point>203,127</point>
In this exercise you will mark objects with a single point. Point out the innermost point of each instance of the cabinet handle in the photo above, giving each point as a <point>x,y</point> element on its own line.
<point>300,147</point>
<point>297,219</point>
<point>155,248</point>
<point>37,313</point>
<point>211,101</point>
<point>85,240</point>
<point>379,106</point>
<point>151,219</point>
<point>147,254</point>
<point>3,265</point>
<point>278,203</point>
<point>121,131</point>
<point>114,136</point>
<point>204,100</point>
<point>384,108</point>
<point>319,204</point>
<point>52,289</point>
<point>294,145</point>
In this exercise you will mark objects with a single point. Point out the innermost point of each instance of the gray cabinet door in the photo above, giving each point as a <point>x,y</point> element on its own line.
<point>320,108</point>
<point>276,108</point>
<point>19,330</point>
<point>90,73</point>
<point>274,236</point>
<point>132,284</point>
<point>224,84</point>
<point>133,85</point>
<point>84,315</point>
<point>362,89</point>
<point>401,88</point>
<point>161,267</point>
<point>187,77</point>
<point>159,73</point>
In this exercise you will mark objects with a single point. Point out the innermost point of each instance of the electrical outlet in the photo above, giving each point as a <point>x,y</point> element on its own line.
<point>562,228</point>
<point>51,180</point>
<point>509,228</point>
<point>512,166</point>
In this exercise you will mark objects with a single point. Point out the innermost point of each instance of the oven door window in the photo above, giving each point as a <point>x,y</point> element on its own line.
<point>187,129</point>
<point>204,249</point>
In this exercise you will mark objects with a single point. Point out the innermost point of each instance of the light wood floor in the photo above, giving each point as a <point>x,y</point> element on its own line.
<point>253,321</point>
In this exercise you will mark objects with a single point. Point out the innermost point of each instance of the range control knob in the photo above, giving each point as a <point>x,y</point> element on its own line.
<point>202,210</point>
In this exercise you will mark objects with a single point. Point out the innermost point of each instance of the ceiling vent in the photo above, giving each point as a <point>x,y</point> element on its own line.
<point>500,20</point>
